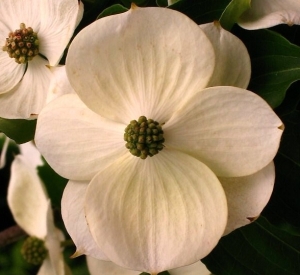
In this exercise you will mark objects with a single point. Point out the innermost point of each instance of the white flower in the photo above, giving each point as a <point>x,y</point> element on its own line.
<point>24,86</point>
<point>169,210</point>
<point>269,13</point>
<point>31,209</point>
<point>103,267</point>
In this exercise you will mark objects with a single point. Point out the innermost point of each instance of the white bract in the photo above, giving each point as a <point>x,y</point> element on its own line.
<point>169,210</point>
<point>103,267</point>
<point>269,13</point>
<point>24,84</point>
<point>31,209</point>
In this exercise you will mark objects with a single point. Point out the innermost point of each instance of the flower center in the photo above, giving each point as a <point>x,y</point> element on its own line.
<point>144,137</point>
<point>22,44</point>
<point>34,250</point>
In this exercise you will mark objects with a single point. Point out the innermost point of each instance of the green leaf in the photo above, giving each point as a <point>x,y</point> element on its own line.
<point>232,12</point>
<point>275,63</point>
<point>201,11</point>
<point>54,183</point>
<point>162,3</point>
<point>257,249</point>
<point>283,210</point>
<point>6,217</point>
<point>173,2</point>
<point>20,130</point>
<point>114,9</point>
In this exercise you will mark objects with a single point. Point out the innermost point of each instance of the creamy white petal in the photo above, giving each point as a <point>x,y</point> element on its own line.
<point>233,67</point>
<point>60,84</point>
<point>72,210</point>
<point>197,268</point>
<point>155,214</point>
<point>3,150</point>
<point>11,72</point>
<point>46,268</point>
<point>27,198</point>
<point>20,11</point>
<point>80,13</point>
<point>31,153</point>
<point>76,142</point>
<point>247,196</point>
<point>233,131</point>
<point>4,31</point>
<point>52,243</point>
<point>58,22</point>
<point>97,267</point>
<point>268,13</point>
<point>140,62</point>
<point>29,96</point>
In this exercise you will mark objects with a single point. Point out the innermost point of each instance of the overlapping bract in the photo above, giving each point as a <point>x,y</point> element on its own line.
<point>269,13</point>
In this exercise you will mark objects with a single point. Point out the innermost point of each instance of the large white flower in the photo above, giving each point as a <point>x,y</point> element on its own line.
<point>34,35</point>
<point>268,13</point>
<point>168,210</point>
<point>31,209</point>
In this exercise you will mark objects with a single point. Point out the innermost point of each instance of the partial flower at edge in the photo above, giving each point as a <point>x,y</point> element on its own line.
<point>269,13</point>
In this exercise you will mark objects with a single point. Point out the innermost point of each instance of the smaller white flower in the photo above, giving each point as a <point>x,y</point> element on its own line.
<point>96,267</point>
<point>34,35</point>
<point>269,13</point>
<point>31,209</point>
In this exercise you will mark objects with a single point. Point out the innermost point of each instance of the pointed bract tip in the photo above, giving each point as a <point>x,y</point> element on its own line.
<point>217,23</point>
<point>133,6</point>
<point>76,254</point>
<point>252,219</point>
<point>281,127</point>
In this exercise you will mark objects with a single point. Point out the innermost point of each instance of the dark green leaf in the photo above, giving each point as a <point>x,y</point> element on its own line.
<point>256,249</point>
<point>126,3</point>
<point>20,130</point>
<point>275,64</point>
<point>232,12</point>
<point>162,3</point>
<point>114,9</point>
<point>283,209</point>
<point>201,11</point>
<point>54,183</point>
<point>6,216</point>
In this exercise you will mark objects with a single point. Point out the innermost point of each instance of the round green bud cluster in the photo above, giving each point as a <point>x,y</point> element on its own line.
<point>144,137</point>
<point>22,44</point>
<point>34,250</point>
